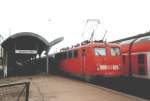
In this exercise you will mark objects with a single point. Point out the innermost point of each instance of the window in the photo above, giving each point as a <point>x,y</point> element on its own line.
<point>74,53</point>
<point>115,51</point>
<point>70,54</point>
<point>141,69</point>
<point>64,55</point>
<point>100,51</point>
<point>141,58</point>
<point>57,56</point>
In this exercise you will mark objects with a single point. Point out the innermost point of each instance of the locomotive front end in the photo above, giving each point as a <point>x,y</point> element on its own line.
<point>108,61</point>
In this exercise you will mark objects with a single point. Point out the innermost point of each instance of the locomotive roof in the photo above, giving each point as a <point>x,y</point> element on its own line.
<point>91,44</point>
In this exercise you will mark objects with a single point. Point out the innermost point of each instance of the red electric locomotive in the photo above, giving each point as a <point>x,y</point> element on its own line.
<point>91,59</point>
<point>136,56</point>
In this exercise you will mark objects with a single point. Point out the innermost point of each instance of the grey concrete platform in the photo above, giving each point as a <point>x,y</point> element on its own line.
<point>55,88</point>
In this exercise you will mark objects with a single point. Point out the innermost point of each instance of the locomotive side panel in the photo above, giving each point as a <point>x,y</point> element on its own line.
<point>88,62</point>
<point>93,59</point>
<point>71,63</point>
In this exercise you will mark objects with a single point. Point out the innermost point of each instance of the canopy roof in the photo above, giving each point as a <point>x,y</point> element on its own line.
<point>24,40</point>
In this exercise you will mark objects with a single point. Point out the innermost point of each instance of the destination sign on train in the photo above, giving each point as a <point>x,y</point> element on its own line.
<point>26,51</point>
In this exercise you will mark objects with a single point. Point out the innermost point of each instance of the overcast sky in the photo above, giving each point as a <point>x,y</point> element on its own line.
<point>55,18</point>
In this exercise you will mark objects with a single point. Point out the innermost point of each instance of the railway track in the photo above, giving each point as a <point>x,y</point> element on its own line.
<point>132,86</point>
<point>118,93</point>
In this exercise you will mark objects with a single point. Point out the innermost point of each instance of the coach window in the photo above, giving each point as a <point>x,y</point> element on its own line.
<point>70,54</point>
<point>141,69</point>
<point>100,51</point>
<point>141,58</point>
<point>115,51</point>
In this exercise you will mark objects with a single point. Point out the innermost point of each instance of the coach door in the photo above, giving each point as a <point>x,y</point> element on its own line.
<point>141,68</point>
<point>83,62</point>
<point>148,64</point>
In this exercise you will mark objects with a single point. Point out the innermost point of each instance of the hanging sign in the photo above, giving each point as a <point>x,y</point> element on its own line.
<point>26,51</point>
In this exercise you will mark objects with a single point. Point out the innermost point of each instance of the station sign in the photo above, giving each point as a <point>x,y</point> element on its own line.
<point>26,51</point>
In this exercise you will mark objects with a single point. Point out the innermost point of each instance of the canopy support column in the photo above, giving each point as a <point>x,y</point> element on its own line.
<point>47,61</point>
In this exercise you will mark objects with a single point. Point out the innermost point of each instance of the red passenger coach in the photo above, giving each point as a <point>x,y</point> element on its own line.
<point>136,57</point>
<point>91,59</point>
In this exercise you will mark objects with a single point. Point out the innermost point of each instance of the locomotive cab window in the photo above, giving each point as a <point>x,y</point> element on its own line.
<point>100,51</point>
<point>115,51</point>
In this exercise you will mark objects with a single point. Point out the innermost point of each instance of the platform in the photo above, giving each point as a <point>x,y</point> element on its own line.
<point>55,88</point>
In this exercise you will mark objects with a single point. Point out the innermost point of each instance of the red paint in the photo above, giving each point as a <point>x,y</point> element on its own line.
<point>86,63</point>
<point>138,48</point>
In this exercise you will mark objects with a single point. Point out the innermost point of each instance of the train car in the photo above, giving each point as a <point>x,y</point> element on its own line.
<point>136,57</point>
<point>91,59</point>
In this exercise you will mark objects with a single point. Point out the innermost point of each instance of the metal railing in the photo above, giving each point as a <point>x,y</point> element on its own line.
<point>18,91</point>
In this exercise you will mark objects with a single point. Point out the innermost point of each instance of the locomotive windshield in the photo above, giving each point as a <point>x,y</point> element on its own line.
<point>100,51</point>
<point>115,51</point>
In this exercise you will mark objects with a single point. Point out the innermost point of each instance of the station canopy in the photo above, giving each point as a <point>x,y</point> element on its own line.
<point>25,45</point>
<point>22,47</point>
